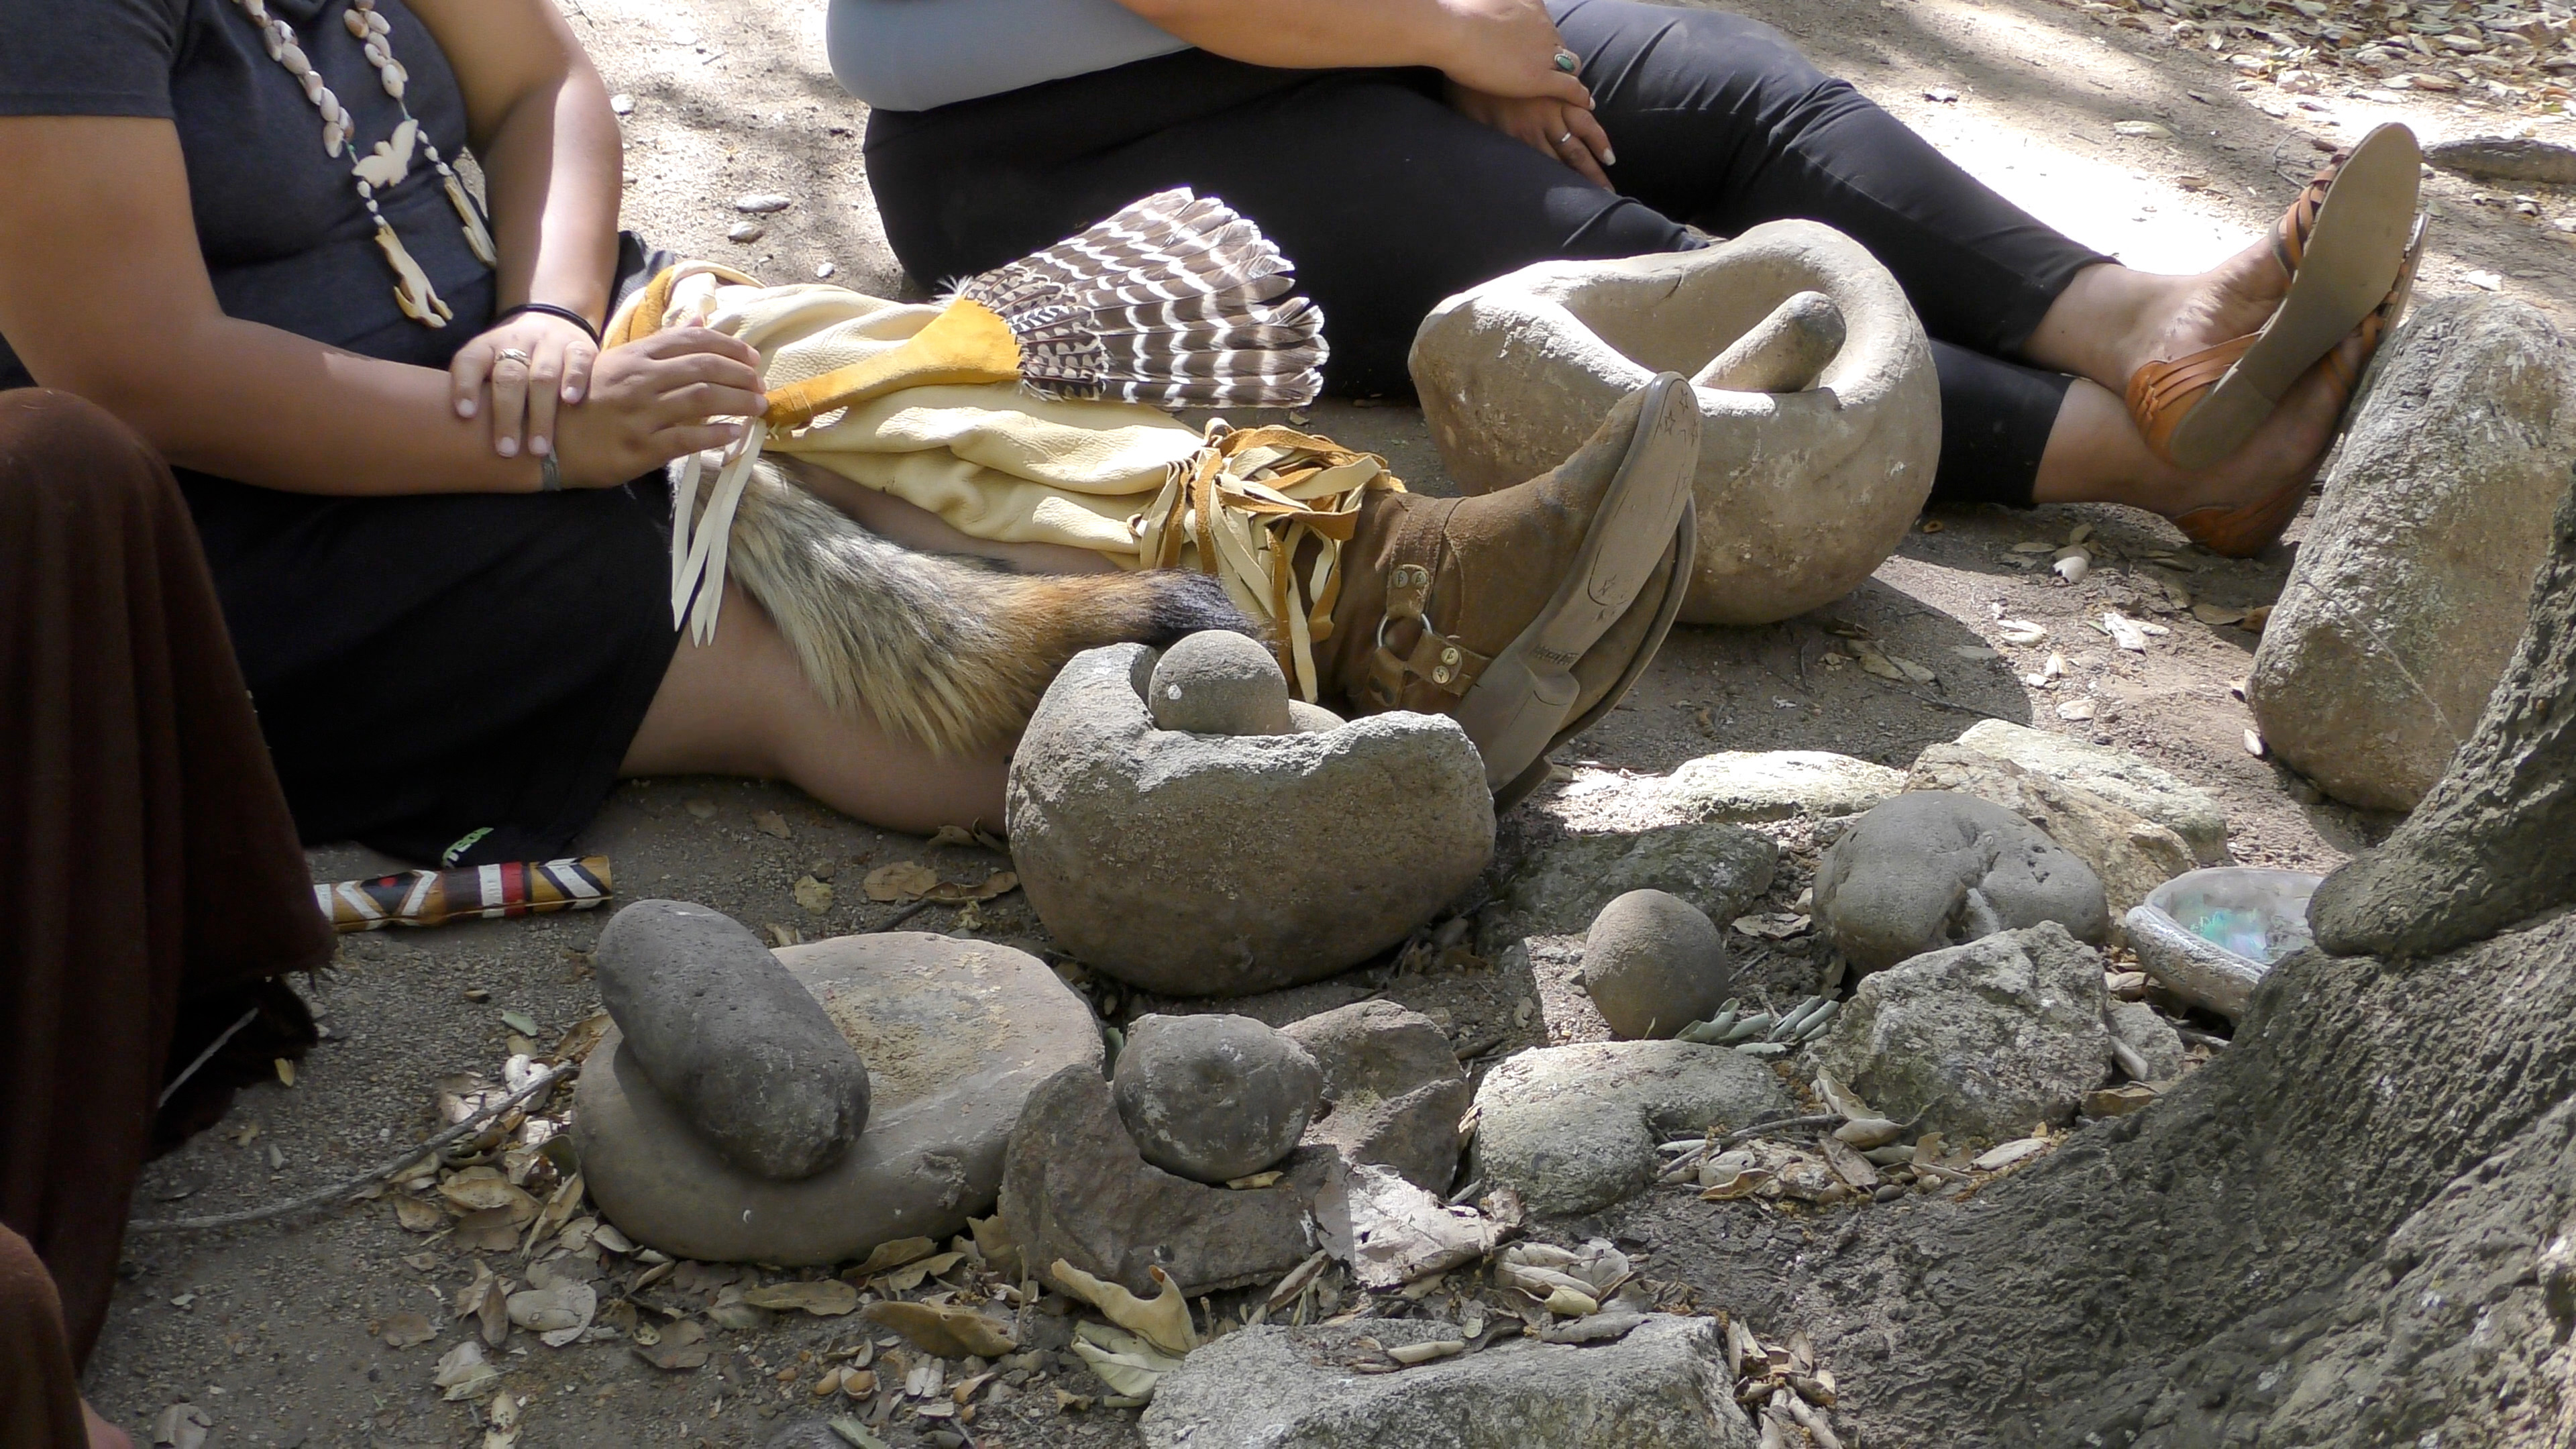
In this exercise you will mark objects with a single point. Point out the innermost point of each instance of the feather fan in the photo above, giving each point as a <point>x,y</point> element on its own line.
<point>1173,302</point>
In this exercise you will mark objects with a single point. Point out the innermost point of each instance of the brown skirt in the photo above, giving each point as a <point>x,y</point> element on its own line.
<point>150,879</point>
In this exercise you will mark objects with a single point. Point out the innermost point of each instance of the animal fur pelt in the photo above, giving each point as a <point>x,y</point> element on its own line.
<point>950,651</point>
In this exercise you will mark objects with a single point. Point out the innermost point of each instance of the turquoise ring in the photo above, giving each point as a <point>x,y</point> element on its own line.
<point>1568,62</point>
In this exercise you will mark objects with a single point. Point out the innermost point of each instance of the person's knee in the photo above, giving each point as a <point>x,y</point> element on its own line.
<point>58,444</point>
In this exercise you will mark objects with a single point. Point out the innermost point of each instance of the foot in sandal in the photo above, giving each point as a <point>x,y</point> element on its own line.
<point>2335,255</point>
<point>1524,613</point>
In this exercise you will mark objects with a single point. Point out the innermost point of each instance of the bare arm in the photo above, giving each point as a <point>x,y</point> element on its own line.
<point>1501,47</point>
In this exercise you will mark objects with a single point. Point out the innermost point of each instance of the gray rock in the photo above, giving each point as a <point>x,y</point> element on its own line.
<point>1801,494</point>
<point>1075,1187</point>
<point>1217,866</point>
<point>1984,1040</point>
<point>1219,683</point>
<point>2410,589</point>
<point>1747,785</point>
<point>1214,1098</point>
<point>2132,854</point>
<point>1312,719</point>
<point>2117,776</point>
<point>1933,868</point>
<point>1653,965</point>
<point>1574,1128</point>
<point>956,1034</point>
<point>2137,1026</point>
<point>1393,1090</point>
<point>1664,1385</point>
<point>2507,158</point>
<point>738,1045</point>
<point>1721,869</point>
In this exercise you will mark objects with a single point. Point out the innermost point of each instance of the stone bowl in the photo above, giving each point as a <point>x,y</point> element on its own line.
<point>956,1035</point>
<point>1801,494</point>
<point>1221,865</point>
<point>2210,936</point>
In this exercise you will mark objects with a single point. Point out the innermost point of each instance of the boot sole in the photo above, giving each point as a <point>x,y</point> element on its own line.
<point>1685,557</point>
<point>1521,701</point>
<point>2350,262</point>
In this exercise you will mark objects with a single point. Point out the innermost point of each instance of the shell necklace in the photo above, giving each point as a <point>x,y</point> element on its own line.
<point>384,167</point>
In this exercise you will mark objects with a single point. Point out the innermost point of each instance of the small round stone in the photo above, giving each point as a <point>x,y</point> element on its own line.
<point>1214,1098</point>
<point>1312,719</point>
<point>1654,964</point>
<point>1217,683</point>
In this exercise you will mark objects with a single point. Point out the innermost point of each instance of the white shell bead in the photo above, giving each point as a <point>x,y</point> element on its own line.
<point>395,75</point>
<point>377,54</point>
<point>333,133</point>
<point>312,86</point>
<point>356,23</point>
<point>329,105</point>
<point>276,47</point>
<point>292,57</point>
<point>379,24</point>
<point>255,10</point>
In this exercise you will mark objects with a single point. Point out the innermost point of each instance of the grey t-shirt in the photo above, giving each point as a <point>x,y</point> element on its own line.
<point>912,55</point>
<point>284,234</point>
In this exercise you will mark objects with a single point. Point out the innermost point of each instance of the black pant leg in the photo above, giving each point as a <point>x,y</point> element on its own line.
<point>1718,120</point>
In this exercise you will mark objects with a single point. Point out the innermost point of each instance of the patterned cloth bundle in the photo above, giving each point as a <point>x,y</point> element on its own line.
<point>435,897</point>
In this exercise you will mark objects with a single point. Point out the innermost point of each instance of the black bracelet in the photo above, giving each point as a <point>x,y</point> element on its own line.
<point>551,310</point>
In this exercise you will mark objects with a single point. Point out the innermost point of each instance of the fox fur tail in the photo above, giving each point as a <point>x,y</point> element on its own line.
<point>951,652</point>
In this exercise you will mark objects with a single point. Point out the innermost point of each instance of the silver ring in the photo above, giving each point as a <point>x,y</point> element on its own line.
<point>1568,136</point>
<point>1568,62</point>
<point>513,354</point>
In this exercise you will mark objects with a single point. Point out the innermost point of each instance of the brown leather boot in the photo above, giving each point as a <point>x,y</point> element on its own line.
<point>1524,613</point>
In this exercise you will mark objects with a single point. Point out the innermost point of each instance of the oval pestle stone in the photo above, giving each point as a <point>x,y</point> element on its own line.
<point>1219,683</point>
<point>738,1046</point>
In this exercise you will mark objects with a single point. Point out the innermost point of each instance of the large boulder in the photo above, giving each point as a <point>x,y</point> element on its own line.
<point>2410,589</point>
<point>1573,1128</point>
<point>1664,1385</point>
<point>1802,490</point>
<point>2114,774</point>
<point>1983,1041</point>
<point>956,1036</point>
<point>1218,865</point>
<point>1934,868</point>
<point>1393,1090</point>
<point>2132,854</point>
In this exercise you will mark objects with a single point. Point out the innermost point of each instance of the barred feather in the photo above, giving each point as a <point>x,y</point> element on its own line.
<point>1176,301</point>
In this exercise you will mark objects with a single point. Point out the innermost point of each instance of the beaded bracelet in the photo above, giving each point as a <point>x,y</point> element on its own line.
<point>551,310</point>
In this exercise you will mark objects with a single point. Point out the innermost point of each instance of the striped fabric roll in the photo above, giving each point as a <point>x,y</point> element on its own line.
<point>435,897</point>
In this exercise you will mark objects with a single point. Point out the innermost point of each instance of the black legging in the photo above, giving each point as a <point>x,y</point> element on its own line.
<point>1388,201</point>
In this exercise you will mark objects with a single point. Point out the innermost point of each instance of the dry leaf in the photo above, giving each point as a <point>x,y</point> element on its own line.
<point>683,1347</point>
<point>1742,1185</point>
<point>2020,1150</point>
<point>2020,633</point>
<point>417,1216</point>
<point>957,835</point>
<point>464,1373</point>
<point>489,1231</point>
<point>1125,1362</point>
<point>2077,710</point>
<point>607,1236</point>
<point>2125,632</point>
<point>1774,926</point>
<point>945,1330</point>
<point>1164,1320</point>
<point>285,1072</point>
<point>822,1297</point>
<point>2257,617</point>
<point>1000,882</point>
<point>481,1189</point>
<point>2216,617</point>
<point>2254,744</point>
<point>770,822</point>
<point>1849,1165</point>
<point>783,935</point>
<point>813,895</point>
<point>893,1255</point>
<point>2144,130</point>
<point>910,1276</point>
<point>575,1044</point>
<point>557,1315</point>
<point>907,880</point>
<point>183,1426</point>
<point>402,1330</point>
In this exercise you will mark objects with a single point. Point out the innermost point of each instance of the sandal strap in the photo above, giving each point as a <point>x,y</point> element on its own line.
<point>2299,222</point>
<point>2162,394</point>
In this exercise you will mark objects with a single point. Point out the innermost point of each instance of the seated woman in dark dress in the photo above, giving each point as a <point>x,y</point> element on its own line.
<point>237,226</point>
<point>1405,150</point>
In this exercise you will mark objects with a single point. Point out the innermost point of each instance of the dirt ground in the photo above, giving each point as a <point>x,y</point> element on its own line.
<point>272,1330</point>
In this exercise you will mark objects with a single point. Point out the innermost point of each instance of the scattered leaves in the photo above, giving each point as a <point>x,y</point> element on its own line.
<point>813,895</point>
<point>946,1330</point>
<point>892,1255</point>
<point>464,1373</point>
<point>402,1330</point>
<point>417,1216</point>
<point>181,1426</point>
<point>683,1347</point>
<point>822,1297</point>
<point>1164,1319</point>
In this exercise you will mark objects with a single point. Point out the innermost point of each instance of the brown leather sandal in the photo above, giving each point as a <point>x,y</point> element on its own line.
<point>2245,531</point>
<point>2342,242</point>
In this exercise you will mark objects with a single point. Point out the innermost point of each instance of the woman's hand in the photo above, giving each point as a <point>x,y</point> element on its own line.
<point>517,373</point>
<point>1550,127</point>
<point>1509,49</point>
<point>669,395</point>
